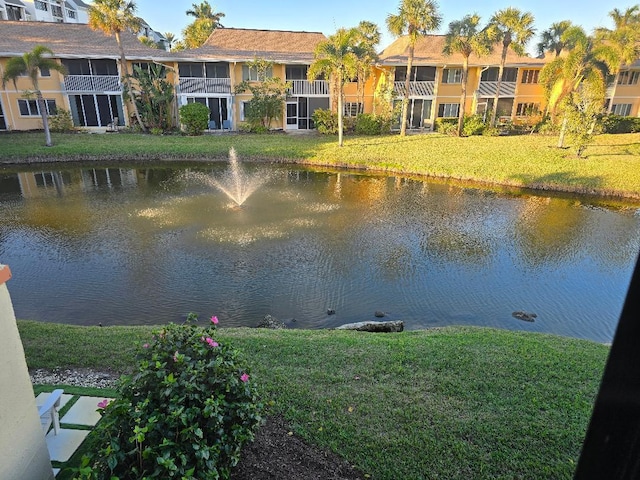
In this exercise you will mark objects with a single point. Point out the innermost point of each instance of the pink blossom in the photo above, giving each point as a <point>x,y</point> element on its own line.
<point>214,320</point>
<point>211,342</point>
<point>103,403</point>
<point>244,377</point>
<point>146,345</point>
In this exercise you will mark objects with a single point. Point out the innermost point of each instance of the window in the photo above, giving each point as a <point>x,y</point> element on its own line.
<point>193,70</point>
<point>217,69</point>
<point>418,74</point>
<point>14,13</point>
<point>629,77</point>
<point>452,75</point>
<point>77,67</point>
<point>296,72</point>
<point>491,74</point>
<point>351,109</point>
<point>448,110</point>
<point>71,13</point>
<point>530,76</point>
<point>45,72</point>
<point>40,5</point>
<point>622,109</point>
<point>251,74</point>
<point>104,67</point>
<point>524,109</point>
<point>29,108</point>
<point>56,10</point>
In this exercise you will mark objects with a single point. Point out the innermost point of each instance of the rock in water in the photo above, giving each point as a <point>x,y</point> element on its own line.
<point>271,322</point>
<point>524,316</point>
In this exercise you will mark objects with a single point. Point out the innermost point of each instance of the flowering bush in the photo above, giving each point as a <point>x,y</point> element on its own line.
<point>185,413</point>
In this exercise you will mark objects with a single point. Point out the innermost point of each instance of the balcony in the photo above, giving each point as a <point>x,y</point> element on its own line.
<point>205,85</point>
<point>92,83</point>
<point>488,89</point>
<point>416,89</point>
<point>306,88</point>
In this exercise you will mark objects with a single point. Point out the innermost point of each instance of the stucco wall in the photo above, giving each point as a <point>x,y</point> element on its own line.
<point>23,451</point>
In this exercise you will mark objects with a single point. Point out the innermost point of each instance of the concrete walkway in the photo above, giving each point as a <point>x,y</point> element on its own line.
<point>75,425</point>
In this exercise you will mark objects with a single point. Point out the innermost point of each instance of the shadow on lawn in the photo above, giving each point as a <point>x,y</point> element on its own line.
<point>566,181</point>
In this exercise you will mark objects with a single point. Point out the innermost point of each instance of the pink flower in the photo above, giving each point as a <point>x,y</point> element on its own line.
<point>244,377</point>
<point>146,345</point>
<point>211,342</point>
<point>214,320</point>
<point>103,403</point>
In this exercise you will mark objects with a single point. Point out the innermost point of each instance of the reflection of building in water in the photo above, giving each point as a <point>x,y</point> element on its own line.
<point>37,184</point>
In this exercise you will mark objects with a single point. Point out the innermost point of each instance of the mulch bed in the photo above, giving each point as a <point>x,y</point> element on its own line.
<point>277,455</point>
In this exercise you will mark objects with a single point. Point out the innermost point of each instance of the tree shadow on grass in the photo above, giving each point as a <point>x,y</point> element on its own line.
<point>562,181</point>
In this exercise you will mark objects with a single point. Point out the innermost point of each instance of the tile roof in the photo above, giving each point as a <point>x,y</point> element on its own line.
<point>70,40</point>
<point>428,51</point>
<point>238,44</point>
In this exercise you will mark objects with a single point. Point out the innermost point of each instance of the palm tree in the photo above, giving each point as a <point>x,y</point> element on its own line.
<point>368,39</point>
<point>337,58</point>
<point>114,17</point>
<point>30,64</point>
<point>170,38</point>
<point>204,11</point>
<point>582,69</point>
<point>551,38</point>
<point>415,18</point>
<point>514,29</point>
<point>464,37</point>
<point>621,45</point>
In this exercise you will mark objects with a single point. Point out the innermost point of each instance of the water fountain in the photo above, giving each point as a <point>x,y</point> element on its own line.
<point>236,184</point>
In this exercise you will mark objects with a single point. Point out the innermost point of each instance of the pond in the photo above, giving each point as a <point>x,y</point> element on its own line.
<point>133,245</point>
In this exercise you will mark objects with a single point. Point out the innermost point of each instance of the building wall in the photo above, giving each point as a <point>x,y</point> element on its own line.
<point>22,443</point>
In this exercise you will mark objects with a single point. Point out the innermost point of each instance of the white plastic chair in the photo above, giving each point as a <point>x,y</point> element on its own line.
<point>48,412</point>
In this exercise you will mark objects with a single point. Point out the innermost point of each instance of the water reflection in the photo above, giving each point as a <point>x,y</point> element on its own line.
<point>142,245</point>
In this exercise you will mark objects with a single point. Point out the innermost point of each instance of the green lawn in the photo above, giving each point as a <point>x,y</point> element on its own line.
<point>451,403</point>
<point>612,166</point>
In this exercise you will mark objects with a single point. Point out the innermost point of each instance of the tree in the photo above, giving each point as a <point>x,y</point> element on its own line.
<point>170,38</point>
<point>154,96</point>
<point>622,44</point>
<point>368,38</point>
<point>30,64</point>
<point>269,95</point>
<point>514,29</point>
<point>338,58</point>
<point>415,18</point>
<point>149,42</point>
<point>551,39</point>
<point>464,37</point>
<point>114,17</point>
<point>582,70</point>
<point>206,21</point>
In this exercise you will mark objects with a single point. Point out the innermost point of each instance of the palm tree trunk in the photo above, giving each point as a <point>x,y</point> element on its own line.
<point>45,119</point>
<point>463,97</point>
<point>613,90</point>
<point>563,132</point>
<point>125,75</point>
<point>340,119</point>
<point>407,84</point>
<point>503,60</point>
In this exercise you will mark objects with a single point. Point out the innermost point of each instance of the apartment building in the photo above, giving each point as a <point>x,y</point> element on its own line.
<point>60,11</point>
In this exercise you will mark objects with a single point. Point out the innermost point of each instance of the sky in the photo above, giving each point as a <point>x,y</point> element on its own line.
<point>327,16</point>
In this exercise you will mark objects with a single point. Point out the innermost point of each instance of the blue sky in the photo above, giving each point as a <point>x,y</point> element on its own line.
<point>328,15</point>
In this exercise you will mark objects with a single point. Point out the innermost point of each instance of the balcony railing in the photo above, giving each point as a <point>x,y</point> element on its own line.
<point>92,83</point>
<point>416,89</point>
<point>205,85</point>
<point>488,89</point>
<point>304,87</point>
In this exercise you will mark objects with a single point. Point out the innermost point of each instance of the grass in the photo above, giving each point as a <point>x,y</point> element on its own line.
<point>612,166</point>
<point>450,403</point>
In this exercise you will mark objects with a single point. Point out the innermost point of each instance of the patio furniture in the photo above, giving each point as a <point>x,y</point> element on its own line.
<point>48,412</point>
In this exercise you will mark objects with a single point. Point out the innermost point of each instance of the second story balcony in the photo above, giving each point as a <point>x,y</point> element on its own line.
<point>92,83</point>
<point>416,89</point>
<point>205,85</point>
<point>319,88</point>
<point>489,89</point>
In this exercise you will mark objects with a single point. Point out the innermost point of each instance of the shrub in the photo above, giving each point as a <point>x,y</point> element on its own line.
<point>370,124</point>
<point>448,126</point>
<point>61,122</point>
<point>326,121</point>
<point>473,125</point>
<point>617,124</point>
<point>185,413</point>
<point>194,118</point>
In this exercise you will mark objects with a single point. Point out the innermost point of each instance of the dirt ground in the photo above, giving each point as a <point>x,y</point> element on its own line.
<point>277,455</point>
